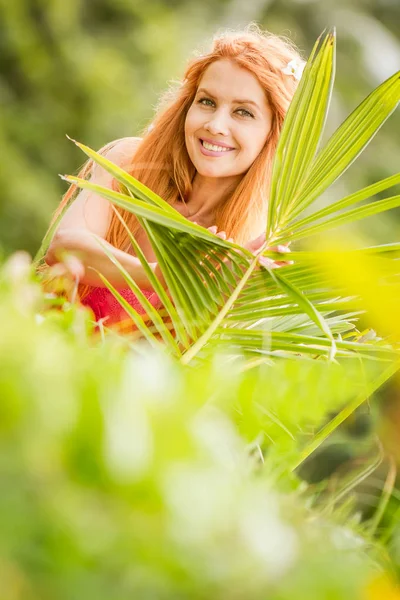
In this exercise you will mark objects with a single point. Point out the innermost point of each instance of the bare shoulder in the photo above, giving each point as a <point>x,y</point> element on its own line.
<point>89,210</point>
<point>121,151</point>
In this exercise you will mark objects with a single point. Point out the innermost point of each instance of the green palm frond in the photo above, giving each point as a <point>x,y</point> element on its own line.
<point>331,162</point>
<point>216,292</point>
<point>262,341</point>
<point>302,130</point>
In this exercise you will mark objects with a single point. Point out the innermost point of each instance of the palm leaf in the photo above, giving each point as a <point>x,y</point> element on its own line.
<point>217,297</point>
<point>346,144</point>
<point>214,284</point>
<point>359,196</point>
<point>263,341</point>
<point>328,429</point>
<point>302,129</point>
<point>158,288</point>
<point>148,307</point>
<point>351,216</point>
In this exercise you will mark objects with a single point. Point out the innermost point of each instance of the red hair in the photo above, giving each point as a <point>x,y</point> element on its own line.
<point>161,160</point>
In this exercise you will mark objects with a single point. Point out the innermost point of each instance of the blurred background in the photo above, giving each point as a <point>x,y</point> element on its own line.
<point>94,70</point>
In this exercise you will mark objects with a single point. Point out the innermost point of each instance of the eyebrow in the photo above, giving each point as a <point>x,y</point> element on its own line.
<point>236,100</point>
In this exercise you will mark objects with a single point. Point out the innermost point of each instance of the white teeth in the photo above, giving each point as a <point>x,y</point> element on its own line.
<point>215,148</point>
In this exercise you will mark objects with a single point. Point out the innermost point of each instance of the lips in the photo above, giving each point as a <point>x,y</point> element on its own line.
<point>213,153</point>
<point>221,144</point>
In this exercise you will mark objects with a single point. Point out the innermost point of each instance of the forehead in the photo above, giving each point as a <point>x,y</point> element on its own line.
<point>227,80</point>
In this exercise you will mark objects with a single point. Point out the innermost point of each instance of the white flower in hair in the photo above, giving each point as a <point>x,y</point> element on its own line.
<point>295,68</point>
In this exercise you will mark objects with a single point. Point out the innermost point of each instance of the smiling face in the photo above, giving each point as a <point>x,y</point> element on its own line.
<point>230,110</point>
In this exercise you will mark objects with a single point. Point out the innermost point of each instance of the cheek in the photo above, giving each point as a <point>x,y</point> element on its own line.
<point>260,138</point>
<point>194,119</point>
<point>189,127</point>
<point>187,122</point>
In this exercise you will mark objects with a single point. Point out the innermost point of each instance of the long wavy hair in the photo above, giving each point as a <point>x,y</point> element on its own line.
<point>161,160</point>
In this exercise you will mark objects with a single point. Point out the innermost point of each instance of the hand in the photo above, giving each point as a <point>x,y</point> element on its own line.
<point>70,266</point>
<point>221,234</point>
<point>255,245</point>
<point>63,277</point>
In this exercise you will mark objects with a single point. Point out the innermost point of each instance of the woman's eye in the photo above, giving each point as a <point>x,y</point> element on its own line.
<point>243,110</point>
<point>205,100</point>
<point>246,111</point>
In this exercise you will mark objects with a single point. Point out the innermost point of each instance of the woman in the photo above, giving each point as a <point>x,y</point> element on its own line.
<point>208,153</point>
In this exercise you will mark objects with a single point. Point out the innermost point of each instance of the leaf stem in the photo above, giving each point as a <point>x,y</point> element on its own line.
<point>203,339</point>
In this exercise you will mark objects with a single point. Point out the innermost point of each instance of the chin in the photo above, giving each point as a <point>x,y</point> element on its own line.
<point>204,172</point>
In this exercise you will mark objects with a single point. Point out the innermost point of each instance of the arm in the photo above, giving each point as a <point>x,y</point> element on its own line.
<point>87,220</point>
<point>84,244</point>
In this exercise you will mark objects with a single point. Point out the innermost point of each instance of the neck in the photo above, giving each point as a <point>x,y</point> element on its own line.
<point>208,194</point>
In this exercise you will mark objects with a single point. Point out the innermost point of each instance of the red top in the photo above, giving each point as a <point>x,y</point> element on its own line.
<point>104,304</point>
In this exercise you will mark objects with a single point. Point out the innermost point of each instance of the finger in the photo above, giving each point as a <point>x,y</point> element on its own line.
<point>58,270</point>
<point>69,267</point>
<point>253,245</point>
<point>74,267</point>
<point>222,235</point>
<point>284,263</point>
<point>281,249</point>
<point>285,245</point>
<point>266,262</point>
<point>213,229</point>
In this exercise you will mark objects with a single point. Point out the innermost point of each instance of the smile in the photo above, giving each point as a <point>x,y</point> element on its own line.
<point>212,149</point>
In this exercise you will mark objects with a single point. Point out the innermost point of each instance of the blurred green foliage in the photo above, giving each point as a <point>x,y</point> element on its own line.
<point>94,70</point>
<point>125,474</point>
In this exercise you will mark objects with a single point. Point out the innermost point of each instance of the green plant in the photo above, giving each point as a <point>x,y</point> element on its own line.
<point>128,474</point>
<point>298,310</point>
<point>250,392</point>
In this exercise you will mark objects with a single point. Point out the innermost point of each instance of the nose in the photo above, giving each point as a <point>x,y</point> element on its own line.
<point>217,125</point>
